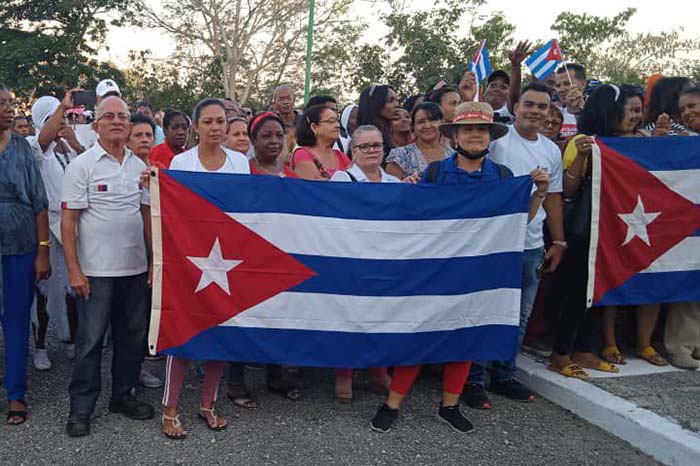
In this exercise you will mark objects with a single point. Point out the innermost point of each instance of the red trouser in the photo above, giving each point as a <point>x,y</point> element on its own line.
<point>453,378</point>
<point>175,371</point>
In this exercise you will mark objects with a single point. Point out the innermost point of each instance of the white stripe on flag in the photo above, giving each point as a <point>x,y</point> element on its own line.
<point>683,257</point>
<point>386,239</point>
<point>371,314</point>
<point>537,60</point>
<point>684,182</point>
<point>546,69</point>
<point>482,69</point>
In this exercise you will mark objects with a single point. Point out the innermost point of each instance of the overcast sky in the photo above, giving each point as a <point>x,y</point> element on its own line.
<point>532,19</point>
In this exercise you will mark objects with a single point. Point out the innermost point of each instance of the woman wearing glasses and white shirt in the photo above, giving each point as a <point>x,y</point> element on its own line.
<point>209,121</point>
<point>367,148</point>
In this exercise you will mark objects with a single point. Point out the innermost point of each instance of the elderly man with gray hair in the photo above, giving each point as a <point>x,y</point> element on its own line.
<point>105,227</point>
<point>283,104</point>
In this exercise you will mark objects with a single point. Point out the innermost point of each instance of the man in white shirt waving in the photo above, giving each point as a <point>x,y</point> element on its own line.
<point>522,150</point>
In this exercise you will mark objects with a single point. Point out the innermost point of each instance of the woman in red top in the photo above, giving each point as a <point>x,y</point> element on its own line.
<point>176,126</point>
<point>317,131</point>
<point>266,132</point>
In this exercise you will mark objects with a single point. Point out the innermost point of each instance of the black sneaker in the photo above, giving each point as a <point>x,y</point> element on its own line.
<point>78,427</point>
<point>384,419</point>
<point>131,408</point>
<point>512,389</point>
<point>452,416</point>
<point>474,396</point>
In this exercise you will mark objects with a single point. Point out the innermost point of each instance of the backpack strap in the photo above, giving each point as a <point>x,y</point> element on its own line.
<point>352,177</point>
<point>433,172</point>
<point>503,171</point>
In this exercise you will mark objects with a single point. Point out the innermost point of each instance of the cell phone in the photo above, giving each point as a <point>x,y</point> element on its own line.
<point>540,270</point>
<point>86,99</point>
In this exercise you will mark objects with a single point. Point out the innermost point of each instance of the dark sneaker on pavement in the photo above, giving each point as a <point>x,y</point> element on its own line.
<point>513,390</point>
<point>384,419</point>
<point>131,408</point>
<point>474,396</point>
<point>452,416</point>
<point>78,428</point>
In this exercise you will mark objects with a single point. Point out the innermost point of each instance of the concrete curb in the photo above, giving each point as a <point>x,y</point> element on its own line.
<point>658,437</point>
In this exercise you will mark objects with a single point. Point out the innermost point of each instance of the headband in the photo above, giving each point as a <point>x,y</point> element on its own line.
<point>617,91</point>
<point>260,117</point>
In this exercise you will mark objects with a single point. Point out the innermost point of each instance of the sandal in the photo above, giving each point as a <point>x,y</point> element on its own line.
<point>380,386</point>
<point>572,370</point>
<point>650,355</point>
<point>343,390</point>
<point>613,355</point>
<point>21,413</point>
<point>177,425</point>
<point>596,364</point>
<point>212,413</point>
<point>240,396</point>
<point>286,389</point>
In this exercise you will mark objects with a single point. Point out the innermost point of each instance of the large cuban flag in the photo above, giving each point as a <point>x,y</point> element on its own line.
<point>258,268</point>
<point>645,232</point>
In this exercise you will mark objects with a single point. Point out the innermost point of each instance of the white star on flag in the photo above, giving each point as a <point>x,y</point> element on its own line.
<point>214,268</point>
<point>637,222</point>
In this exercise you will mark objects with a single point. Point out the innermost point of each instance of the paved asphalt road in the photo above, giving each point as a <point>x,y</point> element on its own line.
<point>315,431</point>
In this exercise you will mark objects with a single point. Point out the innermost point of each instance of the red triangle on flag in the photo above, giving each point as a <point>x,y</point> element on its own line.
<point>190,227</point>
<point>554,52</point>
<point>670,218</point>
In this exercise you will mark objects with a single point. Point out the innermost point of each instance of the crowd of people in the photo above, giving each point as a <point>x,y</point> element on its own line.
<point>75,231</point>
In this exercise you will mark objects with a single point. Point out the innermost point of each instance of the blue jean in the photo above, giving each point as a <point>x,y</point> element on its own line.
<point>121,302</point>
<point>503,371</point>
<point>17,297</point>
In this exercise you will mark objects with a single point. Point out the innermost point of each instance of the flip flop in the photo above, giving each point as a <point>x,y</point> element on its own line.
<point>605,366</point>
<point>239,396</point>
<point>19,413</point>
<point>613,355</point>
<point>650,355</point>
<point>572,370</point>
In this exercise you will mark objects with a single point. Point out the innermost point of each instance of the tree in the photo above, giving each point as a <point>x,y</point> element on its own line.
<point>51,44</point>
<point>430,47</point>
<point>610,52</point>
<point>252,40</point>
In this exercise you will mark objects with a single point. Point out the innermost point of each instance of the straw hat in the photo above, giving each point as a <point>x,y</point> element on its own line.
<point>474,113</point>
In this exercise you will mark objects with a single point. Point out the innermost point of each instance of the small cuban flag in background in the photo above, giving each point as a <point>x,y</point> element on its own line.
<point>545,60</point>
<point>481,65</point>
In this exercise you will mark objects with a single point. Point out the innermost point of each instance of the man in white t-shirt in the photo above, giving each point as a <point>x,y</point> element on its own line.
<point>571,95</point>
<point>106,231</point>
<point>522,150</point>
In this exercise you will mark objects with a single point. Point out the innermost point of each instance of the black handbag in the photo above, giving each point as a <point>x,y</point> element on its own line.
<point>577,211</point>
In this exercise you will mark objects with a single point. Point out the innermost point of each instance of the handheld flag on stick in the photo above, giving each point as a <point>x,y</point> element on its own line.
<point>481,65</point>
<point>545,60</point>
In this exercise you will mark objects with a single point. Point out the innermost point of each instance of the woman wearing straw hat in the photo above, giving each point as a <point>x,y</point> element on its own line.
<point>471,132</point>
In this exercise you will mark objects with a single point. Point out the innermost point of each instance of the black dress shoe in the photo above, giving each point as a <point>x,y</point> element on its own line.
<point>77,428</point>
<point>131,408</point>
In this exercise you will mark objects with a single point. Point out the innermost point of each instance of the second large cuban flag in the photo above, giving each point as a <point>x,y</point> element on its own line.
<point>263,269</point>
<point>645,223</point>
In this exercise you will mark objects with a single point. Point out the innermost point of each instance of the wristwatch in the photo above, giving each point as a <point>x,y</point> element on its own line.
<point>562,244</point>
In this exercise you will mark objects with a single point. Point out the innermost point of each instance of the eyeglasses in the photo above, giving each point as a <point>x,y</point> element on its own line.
<point>330,121</point>
<point>111,116</point>
<point>368,148</point>
<point>7,103</point>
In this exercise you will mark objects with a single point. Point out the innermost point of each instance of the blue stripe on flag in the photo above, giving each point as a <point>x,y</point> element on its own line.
<point>482,65</point>
<point>367,277</point>
<point>363,201</point>
<point>650,288</point>
<point>311,348</point>
<point>539,65</point>
<point>660,153</point>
